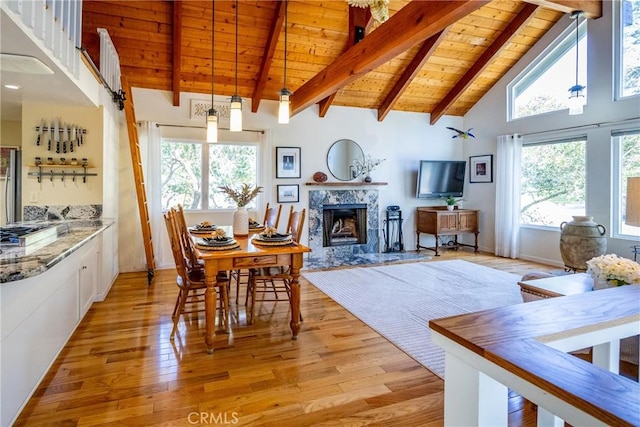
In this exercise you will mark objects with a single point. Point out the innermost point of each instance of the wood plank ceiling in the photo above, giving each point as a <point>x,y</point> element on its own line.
<point>437,57</point>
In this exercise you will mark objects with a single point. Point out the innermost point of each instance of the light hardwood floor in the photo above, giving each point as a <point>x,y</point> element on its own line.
<point>120,368</point>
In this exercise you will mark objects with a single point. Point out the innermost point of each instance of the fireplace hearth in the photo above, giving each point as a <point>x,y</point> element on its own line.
<point>343,223</point>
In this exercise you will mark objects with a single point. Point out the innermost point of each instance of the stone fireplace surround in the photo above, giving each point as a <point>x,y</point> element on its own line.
<point>331,254</point>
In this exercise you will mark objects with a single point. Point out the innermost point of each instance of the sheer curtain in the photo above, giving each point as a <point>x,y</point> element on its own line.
<point>150,138</point>
<point>507,224</point>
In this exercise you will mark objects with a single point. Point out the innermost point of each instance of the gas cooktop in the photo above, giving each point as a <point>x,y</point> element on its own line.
<point>24,235</point>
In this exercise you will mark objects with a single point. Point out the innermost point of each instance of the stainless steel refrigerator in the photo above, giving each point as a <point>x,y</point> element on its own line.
<point>11,168</point>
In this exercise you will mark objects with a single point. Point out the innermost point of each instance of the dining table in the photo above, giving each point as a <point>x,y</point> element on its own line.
<point>247,256</point>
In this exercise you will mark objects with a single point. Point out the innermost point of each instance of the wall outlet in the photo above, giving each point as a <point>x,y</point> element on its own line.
<point>33,197</point>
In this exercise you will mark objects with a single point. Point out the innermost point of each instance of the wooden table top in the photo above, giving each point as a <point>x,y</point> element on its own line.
<point>247,249</point>
<point>557,286</point>
<point>512,338</point>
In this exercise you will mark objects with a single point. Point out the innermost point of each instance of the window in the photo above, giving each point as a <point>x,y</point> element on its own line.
<point>191,173</point>
<point>628,63</point>
<point>626,161</point>
<point>553,182</point>
<point>544,86</point>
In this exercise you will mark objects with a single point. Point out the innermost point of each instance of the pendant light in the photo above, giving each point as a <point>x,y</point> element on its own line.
<point>283,109</point>
<point>212,116</point>
<point>576,95</point>
<point>235,124</point>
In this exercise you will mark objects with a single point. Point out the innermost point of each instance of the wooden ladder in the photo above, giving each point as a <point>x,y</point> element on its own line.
<point>143,207</point>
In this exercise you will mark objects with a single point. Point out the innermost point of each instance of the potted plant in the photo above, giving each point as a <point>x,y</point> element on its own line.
<point>242,197</point>
<point>451,202</point>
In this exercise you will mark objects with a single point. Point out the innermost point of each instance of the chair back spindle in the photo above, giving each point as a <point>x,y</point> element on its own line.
<point>272,216</point>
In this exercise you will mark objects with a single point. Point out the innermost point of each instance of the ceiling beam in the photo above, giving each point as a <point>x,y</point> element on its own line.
<point>267,57</point>
<point>519,21</point>
<point>592,8</point>
<point>412,24</point>
<point>177,51</point>
<point>359,21</point>
<point>418,61</point>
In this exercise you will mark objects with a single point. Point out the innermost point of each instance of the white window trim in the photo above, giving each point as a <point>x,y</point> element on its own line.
<point>551,138</point>
<point>568,31</point>
<point>205,167</point>
<point>617,54</point>
<point>616,173</point>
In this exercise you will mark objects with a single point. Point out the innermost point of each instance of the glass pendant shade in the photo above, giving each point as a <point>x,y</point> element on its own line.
<point>283,109</point>
<point>576,100</point>
<point>212,125</point>
<point>235,120</point>
<point>235,113</point>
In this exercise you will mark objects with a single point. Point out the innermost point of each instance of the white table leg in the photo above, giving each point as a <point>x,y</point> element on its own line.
<point>547,419</point>
<point>607,356</point>
<point>472,398</point>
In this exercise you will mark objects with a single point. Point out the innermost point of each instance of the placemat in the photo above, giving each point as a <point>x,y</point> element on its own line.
<point>210,244</point>
<point>199,229</point>
<point>255,227</point>
<point>275,239</point>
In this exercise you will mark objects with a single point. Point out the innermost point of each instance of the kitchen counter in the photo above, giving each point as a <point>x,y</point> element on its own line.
<point>17,263</point>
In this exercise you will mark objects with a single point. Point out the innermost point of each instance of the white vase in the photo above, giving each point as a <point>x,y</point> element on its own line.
<point>450,207</point>
<point>241,222</point>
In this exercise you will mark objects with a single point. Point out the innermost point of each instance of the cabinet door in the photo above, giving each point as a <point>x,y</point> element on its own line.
<point>448,222</point>
<point>468,221</point>
<point>88,278</point>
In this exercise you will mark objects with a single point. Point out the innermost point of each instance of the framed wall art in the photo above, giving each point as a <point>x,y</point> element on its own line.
<point>287,162</point>
<point>481,168</point>
<point>288,193</point>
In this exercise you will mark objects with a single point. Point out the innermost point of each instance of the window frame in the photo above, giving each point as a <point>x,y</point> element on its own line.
<point>618,53</point>
<point>554,50</point>
<point>616,183</point>
<point>204,183</point>
<point>549,140</point>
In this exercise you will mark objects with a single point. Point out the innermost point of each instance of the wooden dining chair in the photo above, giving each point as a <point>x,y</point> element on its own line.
<point>275,280</point>
<point>185,238</point>
<point>190,282</point>
<point>271,219</point>
<point>272,216</point>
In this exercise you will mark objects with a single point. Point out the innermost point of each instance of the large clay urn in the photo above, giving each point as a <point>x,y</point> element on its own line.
<point>581,240</point>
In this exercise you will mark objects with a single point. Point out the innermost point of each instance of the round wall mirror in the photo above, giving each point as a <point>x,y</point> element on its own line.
<point>340,159</point>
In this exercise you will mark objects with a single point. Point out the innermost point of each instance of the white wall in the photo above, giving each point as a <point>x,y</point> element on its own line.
<point>402,139</point>
<point>488,118</point>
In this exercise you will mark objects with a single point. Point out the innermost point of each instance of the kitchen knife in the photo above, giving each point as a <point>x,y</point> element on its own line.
<point>56,135</point>
<point>72,138</point>
<point>40,130</point>
<point>65,137</point>
<point>49,136</point>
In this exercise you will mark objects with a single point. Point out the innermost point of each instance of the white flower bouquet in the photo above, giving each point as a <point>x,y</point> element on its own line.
<point>365,165</point>
<point>613,269</point>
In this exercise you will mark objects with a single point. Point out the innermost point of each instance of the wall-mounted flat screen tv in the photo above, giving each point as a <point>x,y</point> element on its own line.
<point>440,178</point>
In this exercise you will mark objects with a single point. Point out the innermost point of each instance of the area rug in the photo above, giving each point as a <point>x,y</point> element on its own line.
<point>399,300</point>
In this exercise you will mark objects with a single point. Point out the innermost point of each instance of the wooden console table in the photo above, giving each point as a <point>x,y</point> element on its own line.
<point>439,221</point>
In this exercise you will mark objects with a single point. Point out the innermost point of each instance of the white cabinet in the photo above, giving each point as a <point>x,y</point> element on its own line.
<point>87,285</point>
<point>37,317</point>
<point>107,261</point>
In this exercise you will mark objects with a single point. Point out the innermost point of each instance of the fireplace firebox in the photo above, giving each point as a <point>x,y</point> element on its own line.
<point>344,224</point>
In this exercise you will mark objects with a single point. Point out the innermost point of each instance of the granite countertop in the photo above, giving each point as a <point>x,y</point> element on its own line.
<point>17,263</point>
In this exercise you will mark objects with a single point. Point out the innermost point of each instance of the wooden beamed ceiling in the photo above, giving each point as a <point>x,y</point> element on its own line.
<point>436,57</point>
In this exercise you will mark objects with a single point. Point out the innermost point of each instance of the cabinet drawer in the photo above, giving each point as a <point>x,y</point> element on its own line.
<point>257,261</point>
